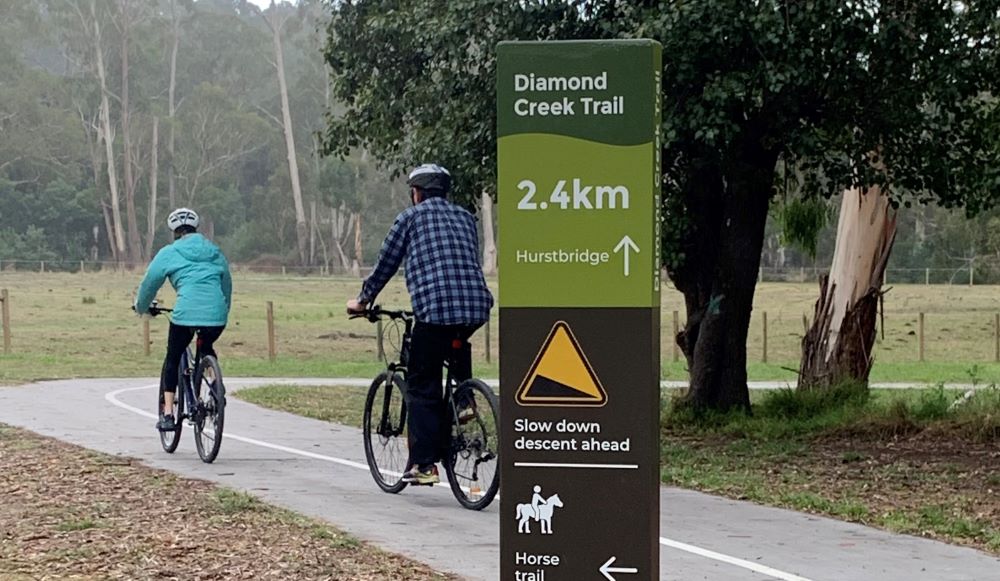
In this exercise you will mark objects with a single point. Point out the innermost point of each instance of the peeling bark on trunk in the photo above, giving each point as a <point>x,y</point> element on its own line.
<point>838,346</point>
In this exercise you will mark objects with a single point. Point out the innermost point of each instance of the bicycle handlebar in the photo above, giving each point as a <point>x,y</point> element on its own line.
<point>154,310</point>
<point>375,312</point>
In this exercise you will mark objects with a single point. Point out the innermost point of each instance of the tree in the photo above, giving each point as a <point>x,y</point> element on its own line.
<point>819,85</point>
<point>433,97</point>
<point>275,18</point>
<point>838,346</point>
<point>216,135</point>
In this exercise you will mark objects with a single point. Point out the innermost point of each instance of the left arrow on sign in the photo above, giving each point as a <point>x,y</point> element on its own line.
<point>606,569</point>
<point>628,245</point>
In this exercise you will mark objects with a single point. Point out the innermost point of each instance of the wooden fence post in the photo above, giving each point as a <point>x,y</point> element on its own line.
<point>805,324</point>
<point>927,276</point>
<point>5,308</point>
<point>764,358</point>
<point>271,349</point>
<point>921,332</point>
<point>677,330</point>
<point>145,336</point>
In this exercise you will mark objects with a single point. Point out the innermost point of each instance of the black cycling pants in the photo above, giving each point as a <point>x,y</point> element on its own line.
<point>430,425</point>
<point>177,341</point>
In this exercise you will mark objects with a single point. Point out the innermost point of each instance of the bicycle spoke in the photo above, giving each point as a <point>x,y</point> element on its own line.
<point>473,465</point>
<point>385,434</point>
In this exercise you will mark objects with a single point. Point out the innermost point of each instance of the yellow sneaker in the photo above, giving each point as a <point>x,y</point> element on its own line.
<point>428,476</point>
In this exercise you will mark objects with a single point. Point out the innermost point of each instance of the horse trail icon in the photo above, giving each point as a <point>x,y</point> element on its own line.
<point>540,509</point>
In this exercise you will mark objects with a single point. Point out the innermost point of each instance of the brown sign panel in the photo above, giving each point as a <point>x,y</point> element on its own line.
<point>580,494</point>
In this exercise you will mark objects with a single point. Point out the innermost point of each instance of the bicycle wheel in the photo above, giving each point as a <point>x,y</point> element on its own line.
<point>385,433</point>
<point>209,417</point>
<point>170,440</point>
<point>473,464</point>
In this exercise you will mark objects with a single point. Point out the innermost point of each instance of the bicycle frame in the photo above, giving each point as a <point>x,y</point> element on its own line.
<point>401,366</point>
<point>191,376</point>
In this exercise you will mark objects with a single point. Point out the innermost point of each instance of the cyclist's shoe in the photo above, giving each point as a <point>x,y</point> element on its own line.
<point>166,423</point>
<point>426,476</point>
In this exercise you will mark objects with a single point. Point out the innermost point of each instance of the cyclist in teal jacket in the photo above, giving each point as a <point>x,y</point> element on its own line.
<point>199,273</point>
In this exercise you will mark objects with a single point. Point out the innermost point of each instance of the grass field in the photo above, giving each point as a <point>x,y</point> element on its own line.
<point>79,325</point>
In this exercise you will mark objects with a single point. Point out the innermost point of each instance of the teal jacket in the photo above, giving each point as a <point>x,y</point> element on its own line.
<point>199,273</point>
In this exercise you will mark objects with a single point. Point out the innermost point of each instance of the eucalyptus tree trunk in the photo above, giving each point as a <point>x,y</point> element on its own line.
<point>728,233</point>
<point>301,227</point>
<point>172,105</point>
<point>356,267</point>
<point>339,227</point>
<point>134,242</point>
<point>106,134</point>
<point>489,237</point>
<point>838,346</point>
<point>153,182</point>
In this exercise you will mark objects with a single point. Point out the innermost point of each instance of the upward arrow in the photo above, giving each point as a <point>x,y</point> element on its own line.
<point>606,569</point>
<point>627,245</point>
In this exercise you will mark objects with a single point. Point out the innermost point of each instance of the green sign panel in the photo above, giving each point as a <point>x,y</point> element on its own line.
<point>578,128</point>
<point>578,198</point>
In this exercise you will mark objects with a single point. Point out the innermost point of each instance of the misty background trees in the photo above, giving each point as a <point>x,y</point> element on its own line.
<point>112,112</point>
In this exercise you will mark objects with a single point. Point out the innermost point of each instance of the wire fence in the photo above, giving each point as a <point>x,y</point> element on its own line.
<point>801,274</point>
<point>928,276</point>
<point>107,266</point>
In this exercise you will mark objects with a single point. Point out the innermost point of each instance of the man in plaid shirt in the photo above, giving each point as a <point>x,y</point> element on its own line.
<point>440,244</point>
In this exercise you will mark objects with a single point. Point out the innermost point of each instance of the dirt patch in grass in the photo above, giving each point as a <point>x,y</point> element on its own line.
<point>932,483</point>
<point>67,512</point>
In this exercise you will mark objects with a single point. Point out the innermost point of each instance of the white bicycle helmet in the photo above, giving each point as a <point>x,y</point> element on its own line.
<point>183,217</point>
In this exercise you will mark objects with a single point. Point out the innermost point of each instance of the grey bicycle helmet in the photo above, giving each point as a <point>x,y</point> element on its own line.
<point>432,178</point>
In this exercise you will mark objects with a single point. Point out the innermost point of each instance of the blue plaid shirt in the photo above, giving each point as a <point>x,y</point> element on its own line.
<point>440,244</point>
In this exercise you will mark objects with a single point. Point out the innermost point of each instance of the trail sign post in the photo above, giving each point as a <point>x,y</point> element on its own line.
<point>579,205</point>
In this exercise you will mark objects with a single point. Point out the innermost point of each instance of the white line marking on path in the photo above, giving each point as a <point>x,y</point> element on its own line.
<point>112,398</point>
<point>565,465</point>
<point>755,567</point>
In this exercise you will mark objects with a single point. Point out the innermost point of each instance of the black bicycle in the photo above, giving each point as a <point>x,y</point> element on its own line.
<point>201,401</point>
<point>472,459</point>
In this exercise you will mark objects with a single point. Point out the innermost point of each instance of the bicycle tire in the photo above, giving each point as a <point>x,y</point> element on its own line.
<point>170,440</point>
<point>477,440</point>
<point>211,407</point>
<point>390,432</point>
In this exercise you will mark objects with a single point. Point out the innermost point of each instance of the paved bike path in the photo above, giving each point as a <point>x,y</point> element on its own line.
<point>318,469</point>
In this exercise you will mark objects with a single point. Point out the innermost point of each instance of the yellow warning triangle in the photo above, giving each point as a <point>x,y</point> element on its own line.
<point>561,374</point>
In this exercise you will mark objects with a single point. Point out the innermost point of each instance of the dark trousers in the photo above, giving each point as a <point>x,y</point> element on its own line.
<point>430,425</point>
<point>177,341</point>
